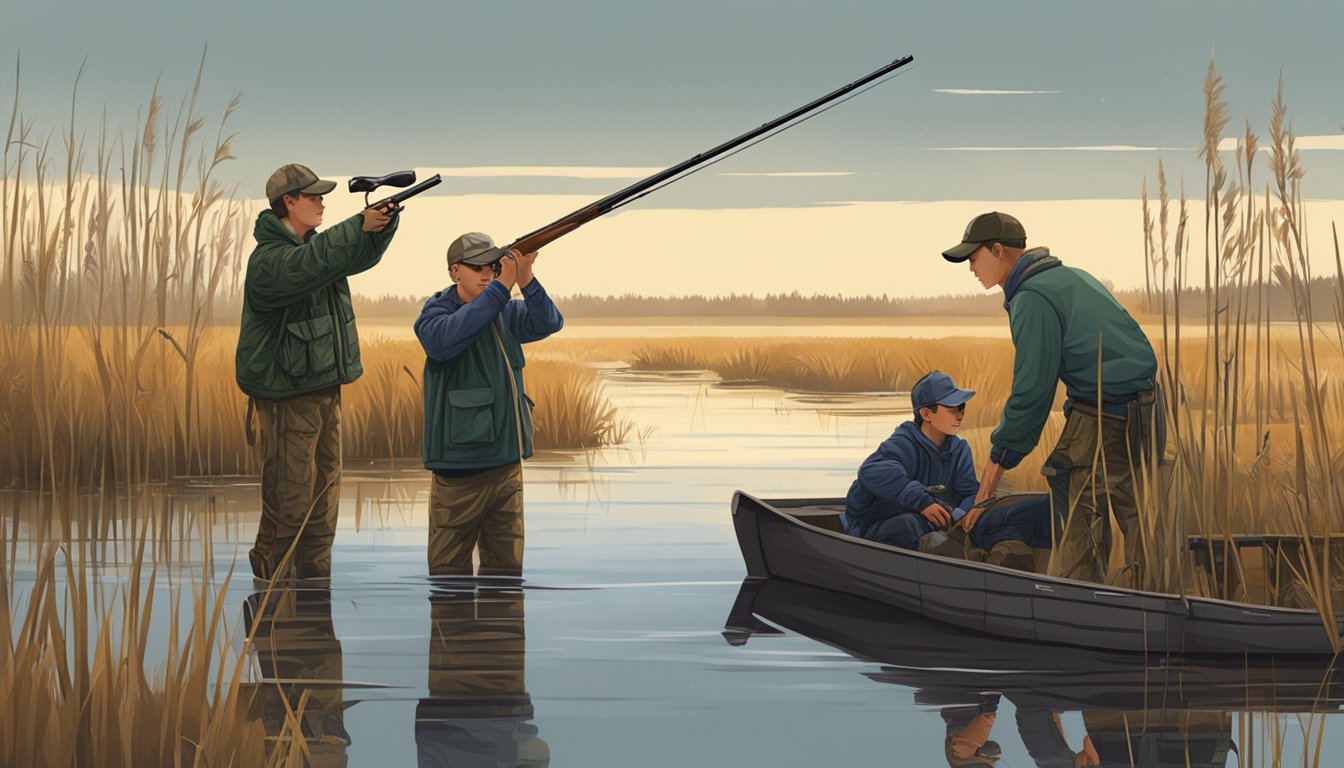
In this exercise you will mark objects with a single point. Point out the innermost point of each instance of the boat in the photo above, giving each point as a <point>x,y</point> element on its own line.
<point>801,541</point>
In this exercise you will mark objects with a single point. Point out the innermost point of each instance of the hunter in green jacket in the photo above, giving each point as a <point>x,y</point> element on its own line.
<point>297,345</point>
<point>1067,327</point>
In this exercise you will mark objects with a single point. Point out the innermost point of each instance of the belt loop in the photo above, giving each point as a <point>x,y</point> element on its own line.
<point>249,428</point>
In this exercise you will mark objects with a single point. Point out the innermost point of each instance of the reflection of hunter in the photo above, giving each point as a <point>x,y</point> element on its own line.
<point>296,346</point>
<point>1067,327</point>
<point>478,712</point>
<point>1160,738</point>
<point>1156,738</point>
<point>299,655</point>
<point>967,741</point>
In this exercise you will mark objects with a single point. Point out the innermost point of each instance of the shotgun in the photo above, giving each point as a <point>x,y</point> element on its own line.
<point>392,205</point>
<point>533,241</point>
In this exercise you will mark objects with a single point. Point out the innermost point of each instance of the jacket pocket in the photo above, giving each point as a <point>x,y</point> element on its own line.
<point>471,417</point>
<point>308,348</point>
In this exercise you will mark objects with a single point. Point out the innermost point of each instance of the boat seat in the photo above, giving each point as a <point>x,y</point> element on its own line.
<point>826,517</point>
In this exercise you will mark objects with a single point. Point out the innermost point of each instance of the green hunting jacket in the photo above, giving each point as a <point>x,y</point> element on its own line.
<point>298,326</point>
<point>477,412</point>
<point>1060,317</point>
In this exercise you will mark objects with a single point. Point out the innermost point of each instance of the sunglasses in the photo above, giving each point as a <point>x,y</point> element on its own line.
<point>493,266</point>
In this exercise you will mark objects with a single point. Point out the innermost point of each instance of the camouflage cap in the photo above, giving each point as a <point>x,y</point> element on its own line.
<point>989,227</point>
<point>474,248</point>
<point>294,178</point>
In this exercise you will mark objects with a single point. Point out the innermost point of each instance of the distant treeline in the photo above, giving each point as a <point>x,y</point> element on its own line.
<point>1325,293</point>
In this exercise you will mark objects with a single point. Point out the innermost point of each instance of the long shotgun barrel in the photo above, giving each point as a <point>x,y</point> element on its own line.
<point>566,224</point>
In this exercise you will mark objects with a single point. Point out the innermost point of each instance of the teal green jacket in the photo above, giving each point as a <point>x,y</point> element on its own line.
<point>474,416</point>
<point>1060,318</point>
<point>298,327</point>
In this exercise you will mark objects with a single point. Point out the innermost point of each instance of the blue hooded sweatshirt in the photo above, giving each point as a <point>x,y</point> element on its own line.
<point>891,482</point>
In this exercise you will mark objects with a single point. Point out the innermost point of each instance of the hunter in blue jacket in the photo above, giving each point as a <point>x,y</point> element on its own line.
<point>478,417</point>
<point>890,502</point>
<point>893,501</point>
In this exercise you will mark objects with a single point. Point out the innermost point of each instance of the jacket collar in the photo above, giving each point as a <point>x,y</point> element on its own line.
<point>1032,263</point>
<point>269,227</point>
<point>450,293</point>
<point>923,440</point>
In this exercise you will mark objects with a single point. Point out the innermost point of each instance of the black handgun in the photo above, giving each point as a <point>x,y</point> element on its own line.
<point>392,205</point>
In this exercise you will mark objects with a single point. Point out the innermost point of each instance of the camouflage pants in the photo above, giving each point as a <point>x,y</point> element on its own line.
<point>484,510</point>
<point>1092,474</point>
<point>300,484</point>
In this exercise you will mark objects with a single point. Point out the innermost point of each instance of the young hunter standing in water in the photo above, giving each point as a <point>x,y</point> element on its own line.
<point>478,420</point>
<point>1067,327</point>
<point>296,347</point>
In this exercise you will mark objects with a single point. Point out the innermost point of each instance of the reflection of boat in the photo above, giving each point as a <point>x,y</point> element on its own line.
<point>950,666</point>
<point>800,540</point>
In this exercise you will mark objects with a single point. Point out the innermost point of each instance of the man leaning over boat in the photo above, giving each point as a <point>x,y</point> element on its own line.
<point>1067,327</point>
<point>919,484</point>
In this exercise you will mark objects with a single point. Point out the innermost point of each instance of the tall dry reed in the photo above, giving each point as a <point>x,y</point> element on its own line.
<point>108,260</point>
<point>77,687</point>
<point>1255,420</point>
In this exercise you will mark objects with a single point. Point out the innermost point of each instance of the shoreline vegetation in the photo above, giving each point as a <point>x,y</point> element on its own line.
<point>119,375</point>
<point>967,308</point>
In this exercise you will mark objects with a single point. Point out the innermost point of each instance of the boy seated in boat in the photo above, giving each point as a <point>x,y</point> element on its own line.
<point>891,500</point>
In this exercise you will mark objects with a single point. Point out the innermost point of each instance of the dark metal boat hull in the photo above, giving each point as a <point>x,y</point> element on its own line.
<point>1006,603</point>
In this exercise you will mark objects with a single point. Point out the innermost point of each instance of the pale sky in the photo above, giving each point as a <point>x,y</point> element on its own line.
<point>528,107</point>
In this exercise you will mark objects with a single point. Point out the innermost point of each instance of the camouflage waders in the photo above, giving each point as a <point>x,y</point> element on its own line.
<point>484,508</point>
<point>1087,487</point>
<point>300,484</point>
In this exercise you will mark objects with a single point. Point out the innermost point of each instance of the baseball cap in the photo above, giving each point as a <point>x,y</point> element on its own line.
<point>985,228</point>
<point>938,389</point>
<point>294,178</point>
<point>475,248</point>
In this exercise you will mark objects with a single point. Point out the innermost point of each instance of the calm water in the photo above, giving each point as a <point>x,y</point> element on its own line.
<point>613,653</point>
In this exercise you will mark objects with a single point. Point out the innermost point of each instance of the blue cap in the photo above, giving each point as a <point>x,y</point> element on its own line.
<point>938,389</point>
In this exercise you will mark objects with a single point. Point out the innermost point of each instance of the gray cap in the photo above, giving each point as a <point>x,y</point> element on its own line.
<point>294,178</point>
<point>989,227</point>
<point>475,248</point>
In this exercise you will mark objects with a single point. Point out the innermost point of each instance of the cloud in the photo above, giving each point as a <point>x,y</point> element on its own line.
<point>987,92</point>
<point>1328,142</point>
<point>793,173</point>
<point>1097,148</point>
<point>550,171</point>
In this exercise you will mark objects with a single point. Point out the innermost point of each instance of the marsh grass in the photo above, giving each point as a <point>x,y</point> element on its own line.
<point>1256,424</point>
<point>382,413</point>
<point>74,673</point>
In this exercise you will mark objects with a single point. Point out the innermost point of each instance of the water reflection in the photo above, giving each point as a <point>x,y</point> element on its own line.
<point>478,712</point>
<point>301,670</point>
<point>1141,710</point>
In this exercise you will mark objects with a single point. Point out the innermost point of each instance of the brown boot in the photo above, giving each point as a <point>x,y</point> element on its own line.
<point>1012,554</point>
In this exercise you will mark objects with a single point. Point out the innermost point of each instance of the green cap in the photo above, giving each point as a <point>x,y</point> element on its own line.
<point>986,228</point>
<point>474,248</point>
<point>294,178</point>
